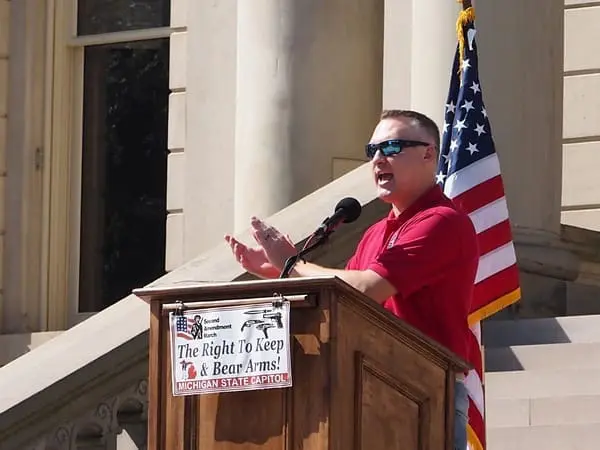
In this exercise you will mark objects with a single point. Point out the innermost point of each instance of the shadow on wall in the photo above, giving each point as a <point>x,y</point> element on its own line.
<point>14,345</point>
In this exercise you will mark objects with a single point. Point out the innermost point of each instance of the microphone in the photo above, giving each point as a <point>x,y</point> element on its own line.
<point>346,211</point>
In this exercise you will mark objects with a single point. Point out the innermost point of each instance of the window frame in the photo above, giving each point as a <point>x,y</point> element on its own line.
<point>64,141</point>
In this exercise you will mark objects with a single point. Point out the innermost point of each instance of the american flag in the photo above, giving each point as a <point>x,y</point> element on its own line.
<point>469,172</point>
<point>183,326</point>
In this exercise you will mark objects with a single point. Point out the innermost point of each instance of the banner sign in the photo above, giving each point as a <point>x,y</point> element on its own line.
<point>232,348</point>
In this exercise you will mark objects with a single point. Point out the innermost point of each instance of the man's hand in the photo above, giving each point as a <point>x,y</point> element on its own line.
<point>253,260</point>
<point>267,259</point>
<point>277,247</point>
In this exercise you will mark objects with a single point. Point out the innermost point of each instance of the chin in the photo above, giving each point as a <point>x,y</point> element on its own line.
<point>385,196</point>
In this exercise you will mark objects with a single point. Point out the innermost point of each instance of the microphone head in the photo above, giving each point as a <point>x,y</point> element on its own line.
<point>350,208</point>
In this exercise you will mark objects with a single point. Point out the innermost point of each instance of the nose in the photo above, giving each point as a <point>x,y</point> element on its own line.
<point>378,157</point>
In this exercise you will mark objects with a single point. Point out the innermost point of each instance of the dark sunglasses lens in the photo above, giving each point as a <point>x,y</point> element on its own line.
<point>370,150</point>
<point>390,149</point>
<point>387,149</point>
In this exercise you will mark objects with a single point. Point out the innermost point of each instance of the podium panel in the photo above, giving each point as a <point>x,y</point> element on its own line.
<point>361,378</point>
<point>390,395</point>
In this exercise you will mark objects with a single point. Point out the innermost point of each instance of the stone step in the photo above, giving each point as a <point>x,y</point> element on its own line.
<point>526,384</point>
<point>555,330</point>
<point>555,437</point>
<point>573,410</point>
<point>548,356</point>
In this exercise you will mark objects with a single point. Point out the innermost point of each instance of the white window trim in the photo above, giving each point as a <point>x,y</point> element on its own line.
<point>62,187</point>
<point>121,36</point>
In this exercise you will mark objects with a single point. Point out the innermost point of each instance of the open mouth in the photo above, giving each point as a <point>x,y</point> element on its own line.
<point>384,177</point>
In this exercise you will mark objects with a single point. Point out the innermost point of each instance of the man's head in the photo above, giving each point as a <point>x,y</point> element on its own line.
<point>404,154</point>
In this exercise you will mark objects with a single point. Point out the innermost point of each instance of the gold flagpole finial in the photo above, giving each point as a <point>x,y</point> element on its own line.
<point>466,3</point>
<point>466,15</point>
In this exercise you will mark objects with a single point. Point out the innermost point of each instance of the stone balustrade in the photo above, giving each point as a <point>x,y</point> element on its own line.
<point>117,423</point>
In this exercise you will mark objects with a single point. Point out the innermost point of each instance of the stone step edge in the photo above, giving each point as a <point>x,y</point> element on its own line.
<point>520,332</point>
<point>493,354</point>
<point>595,424</point>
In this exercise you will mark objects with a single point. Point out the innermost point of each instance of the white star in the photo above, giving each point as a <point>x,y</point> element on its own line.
<point>479,130</point>
<point>475,87</point>
<point>467,105</point>
<point>450,107</point>
<point>465,64</point>
<point>484,112</point>
<point>453,145</point>
<point>460,124</point>
<point>446,125</point>
<point>439,178</point>
<point>448,161</point>
<point>472,148</point>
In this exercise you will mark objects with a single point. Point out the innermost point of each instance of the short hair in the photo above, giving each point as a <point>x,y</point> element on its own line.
<point>421,120</point>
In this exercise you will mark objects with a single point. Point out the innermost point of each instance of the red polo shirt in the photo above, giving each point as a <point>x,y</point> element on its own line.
<point>430,254</point>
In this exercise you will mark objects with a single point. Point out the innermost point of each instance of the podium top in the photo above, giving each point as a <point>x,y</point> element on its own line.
<point>193,288</point>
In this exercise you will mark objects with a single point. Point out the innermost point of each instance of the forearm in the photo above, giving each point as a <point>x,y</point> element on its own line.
<point>358,279</point>
<point>307,269</point>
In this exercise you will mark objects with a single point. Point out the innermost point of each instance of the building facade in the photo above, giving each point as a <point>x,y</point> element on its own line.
<point>134,134</point>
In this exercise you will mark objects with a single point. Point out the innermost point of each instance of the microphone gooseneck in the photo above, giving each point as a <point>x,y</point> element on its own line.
<point>346,211</point>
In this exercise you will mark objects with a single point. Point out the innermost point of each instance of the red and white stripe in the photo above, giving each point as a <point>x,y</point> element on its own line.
<point>479,191</point>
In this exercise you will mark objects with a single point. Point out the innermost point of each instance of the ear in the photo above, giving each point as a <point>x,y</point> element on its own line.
<point>430,154</point>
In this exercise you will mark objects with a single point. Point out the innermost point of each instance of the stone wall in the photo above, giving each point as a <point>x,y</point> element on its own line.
<point>581,133</point>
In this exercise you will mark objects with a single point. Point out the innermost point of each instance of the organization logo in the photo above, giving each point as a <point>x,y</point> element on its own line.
<point>190,327</point>
<point>199,326</point>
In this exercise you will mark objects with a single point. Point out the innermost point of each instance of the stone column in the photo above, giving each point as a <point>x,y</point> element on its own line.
<point>520,47</point>
<point>521,63</point>
<point>309,77</point>
<point>433,40</point>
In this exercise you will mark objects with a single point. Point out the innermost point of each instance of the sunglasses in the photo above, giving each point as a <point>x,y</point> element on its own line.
<point>391,147</point>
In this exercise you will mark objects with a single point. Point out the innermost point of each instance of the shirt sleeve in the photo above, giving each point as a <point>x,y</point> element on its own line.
<point>420,255</point>
<point>351,264</point>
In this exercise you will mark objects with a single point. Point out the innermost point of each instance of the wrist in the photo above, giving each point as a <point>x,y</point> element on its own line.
<point>299,269</point>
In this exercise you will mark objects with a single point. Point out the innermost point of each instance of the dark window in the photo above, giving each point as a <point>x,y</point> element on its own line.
<point>106,16</point>
<point>124,170</point>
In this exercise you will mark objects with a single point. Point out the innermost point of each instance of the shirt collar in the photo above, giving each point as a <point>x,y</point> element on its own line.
<point>431,197</point>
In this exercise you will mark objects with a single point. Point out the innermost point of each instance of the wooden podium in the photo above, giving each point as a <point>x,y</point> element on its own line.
<point>362,379</point>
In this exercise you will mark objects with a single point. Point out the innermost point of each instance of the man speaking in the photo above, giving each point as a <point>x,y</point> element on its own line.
<point>419,262</point>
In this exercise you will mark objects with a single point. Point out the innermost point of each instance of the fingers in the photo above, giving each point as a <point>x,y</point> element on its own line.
<point>258,226</point>
<point>265,235</point>
<point>261,231</point>
<point>231,241</point>
<point>239,249</point>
